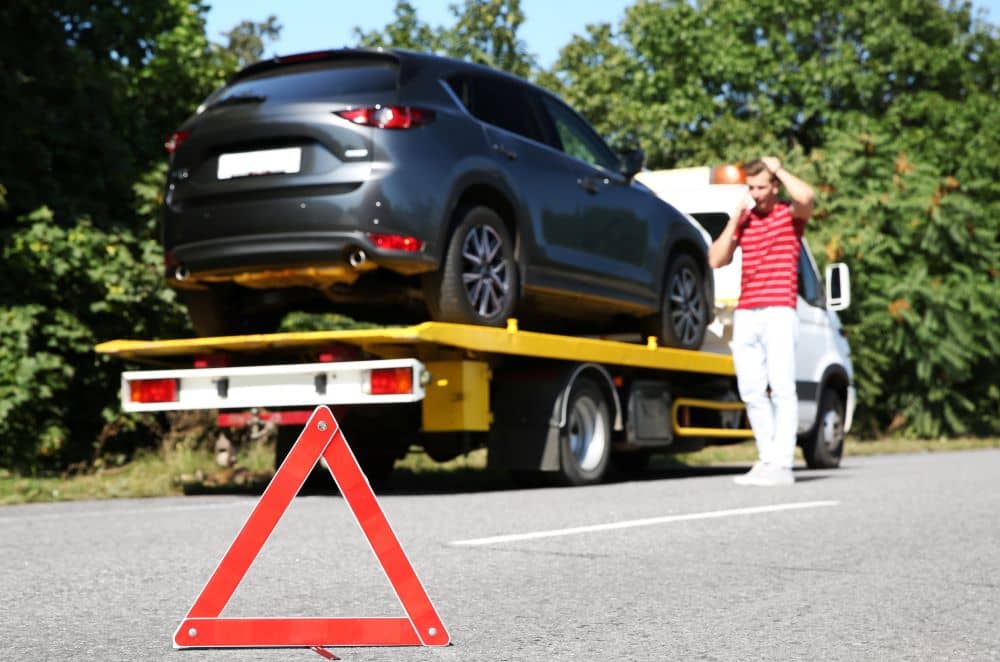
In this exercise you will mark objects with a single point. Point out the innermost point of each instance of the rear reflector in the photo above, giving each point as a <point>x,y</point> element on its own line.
<point>388,117</point>
<point>175,140</point>
<point>390,381</point>
<point>153,390</point>
<point>396,242</point>
<point>217,360</point>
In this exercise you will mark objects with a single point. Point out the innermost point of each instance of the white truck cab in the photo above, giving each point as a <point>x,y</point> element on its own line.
<point>824,373</point>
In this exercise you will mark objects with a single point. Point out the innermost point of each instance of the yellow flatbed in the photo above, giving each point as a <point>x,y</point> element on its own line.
<point>388,341</point>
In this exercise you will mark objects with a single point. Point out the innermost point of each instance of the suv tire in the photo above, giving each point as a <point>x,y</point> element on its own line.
<point>684,310</point>
<point>478,279</point>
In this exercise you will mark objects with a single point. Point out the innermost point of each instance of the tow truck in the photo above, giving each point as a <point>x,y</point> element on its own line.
<point>547,407</point>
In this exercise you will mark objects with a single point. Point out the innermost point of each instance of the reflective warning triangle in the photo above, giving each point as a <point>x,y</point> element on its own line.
<point>203,627</point>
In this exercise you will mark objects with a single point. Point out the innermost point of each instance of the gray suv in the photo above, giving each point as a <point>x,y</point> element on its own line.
<point>389,185</point>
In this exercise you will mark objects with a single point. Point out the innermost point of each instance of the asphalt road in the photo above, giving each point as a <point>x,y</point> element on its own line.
<point>887,558</point>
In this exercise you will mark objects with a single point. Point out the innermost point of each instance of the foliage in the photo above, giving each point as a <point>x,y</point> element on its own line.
<point>245,42</point>
<point>485,32</point>
<point>90,92</point>
<point>923,252</point>
<point>77,286</point>
<point>303,321</point>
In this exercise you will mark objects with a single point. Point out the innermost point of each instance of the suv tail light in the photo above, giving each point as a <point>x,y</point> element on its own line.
<point>396,242</point>
<point>153,390</point>
<point>388,117</point>
<point>390,381</point>
<point>175,140</point>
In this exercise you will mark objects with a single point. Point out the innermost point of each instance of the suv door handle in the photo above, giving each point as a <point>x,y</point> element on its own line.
<point>508,153</point>
<point>589,184</point>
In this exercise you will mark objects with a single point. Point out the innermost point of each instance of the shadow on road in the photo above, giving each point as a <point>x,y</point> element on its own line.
<point>404,481</point>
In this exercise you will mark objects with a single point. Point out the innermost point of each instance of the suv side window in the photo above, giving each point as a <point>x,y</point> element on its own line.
<point>810,287</point>
<point>499,102</point>
<point>577,138</point>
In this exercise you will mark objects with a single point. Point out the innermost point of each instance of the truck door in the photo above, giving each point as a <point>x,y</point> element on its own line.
<point>815,338</point>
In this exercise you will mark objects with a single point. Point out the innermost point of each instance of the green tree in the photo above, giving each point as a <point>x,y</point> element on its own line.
<point>90,92</point>
<point>405,31</point>
<point>247,40</point>
<point>485,32</point>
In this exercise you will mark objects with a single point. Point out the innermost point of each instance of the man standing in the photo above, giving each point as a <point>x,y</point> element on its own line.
<point>765,322</point>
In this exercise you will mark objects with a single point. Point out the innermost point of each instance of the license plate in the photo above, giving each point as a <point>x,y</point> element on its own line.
<point>262,162</point>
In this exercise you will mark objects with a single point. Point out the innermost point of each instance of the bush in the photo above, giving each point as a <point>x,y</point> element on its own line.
<point>76,286</point>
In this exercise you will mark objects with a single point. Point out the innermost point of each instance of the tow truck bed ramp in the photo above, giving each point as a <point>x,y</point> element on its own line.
<point>394,342</point>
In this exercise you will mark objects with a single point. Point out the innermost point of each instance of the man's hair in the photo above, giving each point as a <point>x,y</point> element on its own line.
<point>756,167</point>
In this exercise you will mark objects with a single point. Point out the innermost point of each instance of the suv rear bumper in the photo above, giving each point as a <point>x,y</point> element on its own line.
<point>316,259</point>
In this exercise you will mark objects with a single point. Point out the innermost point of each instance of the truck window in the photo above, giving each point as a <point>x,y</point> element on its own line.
<point>714,223</point>
<point>810,287</point>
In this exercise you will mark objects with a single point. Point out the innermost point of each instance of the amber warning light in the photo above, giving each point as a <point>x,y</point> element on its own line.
<point>153,390</point>
<point>728,174</point>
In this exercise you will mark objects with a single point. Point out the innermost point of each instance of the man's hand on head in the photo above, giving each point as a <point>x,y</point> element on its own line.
<point>771,163</point>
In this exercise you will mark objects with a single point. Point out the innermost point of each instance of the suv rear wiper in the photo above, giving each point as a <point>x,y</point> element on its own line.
<point>237,99</point>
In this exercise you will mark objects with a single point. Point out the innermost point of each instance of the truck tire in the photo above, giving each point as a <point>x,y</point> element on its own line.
<point>684,310</point>
<point>823,446</point>
<point>478,279</point>
<point>585,440</point>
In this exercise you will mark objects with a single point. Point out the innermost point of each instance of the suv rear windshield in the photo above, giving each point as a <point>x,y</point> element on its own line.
<point>312,80</point>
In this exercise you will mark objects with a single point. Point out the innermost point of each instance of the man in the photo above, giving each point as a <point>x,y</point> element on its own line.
<point>765,322</point>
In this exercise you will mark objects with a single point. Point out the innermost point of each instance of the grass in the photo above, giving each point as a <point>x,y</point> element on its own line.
<point>183,470</point>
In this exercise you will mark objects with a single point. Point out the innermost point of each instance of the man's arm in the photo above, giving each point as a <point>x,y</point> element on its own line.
<point>801,193</point>
<point>720,253</point>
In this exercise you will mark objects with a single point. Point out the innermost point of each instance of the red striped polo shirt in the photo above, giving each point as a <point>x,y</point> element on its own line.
<point>770,257</point>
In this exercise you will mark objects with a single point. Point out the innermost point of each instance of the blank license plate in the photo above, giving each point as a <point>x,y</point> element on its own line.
<point>263,162</point>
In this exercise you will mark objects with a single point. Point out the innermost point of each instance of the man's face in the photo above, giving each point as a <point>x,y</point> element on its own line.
<point>764,190</point>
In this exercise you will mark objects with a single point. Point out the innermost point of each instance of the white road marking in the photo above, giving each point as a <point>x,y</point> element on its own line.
<point>649,521</point>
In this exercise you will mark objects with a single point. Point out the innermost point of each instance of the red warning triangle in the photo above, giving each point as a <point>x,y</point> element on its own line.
<point>203,627</point>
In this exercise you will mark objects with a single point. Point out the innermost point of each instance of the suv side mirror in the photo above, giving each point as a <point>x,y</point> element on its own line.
<point>632,162</point>
<point>838,286</point>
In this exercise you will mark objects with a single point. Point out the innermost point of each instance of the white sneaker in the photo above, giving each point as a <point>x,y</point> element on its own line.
<point>748,477</point>
<point>766,475</point>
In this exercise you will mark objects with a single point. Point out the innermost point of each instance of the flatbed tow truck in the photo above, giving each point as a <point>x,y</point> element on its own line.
<point>549,408</point>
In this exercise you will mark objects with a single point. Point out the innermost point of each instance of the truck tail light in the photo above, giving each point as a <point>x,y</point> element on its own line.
<point>388,117</point>
<point>390,381</point>
<point>153,390</point>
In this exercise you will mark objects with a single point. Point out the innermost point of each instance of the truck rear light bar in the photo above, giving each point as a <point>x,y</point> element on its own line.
<point>294,385</point>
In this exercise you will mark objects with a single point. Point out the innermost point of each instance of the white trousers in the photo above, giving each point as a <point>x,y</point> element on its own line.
<point>764,354</point>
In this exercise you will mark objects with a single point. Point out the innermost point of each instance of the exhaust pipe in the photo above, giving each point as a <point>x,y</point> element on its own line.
<point>357,258</point>
<point>181,273</point>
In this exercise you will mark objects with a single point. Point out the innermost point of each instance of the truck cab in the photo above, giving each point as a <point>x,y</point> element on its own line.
<point>824,373</point>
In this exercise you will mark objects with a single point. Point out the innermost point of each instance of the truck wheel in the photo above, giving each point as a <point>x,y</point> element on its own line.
<point>824,445</point>
<point>684,311</point>
<point>478,281</point>
<point>585,441</point>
